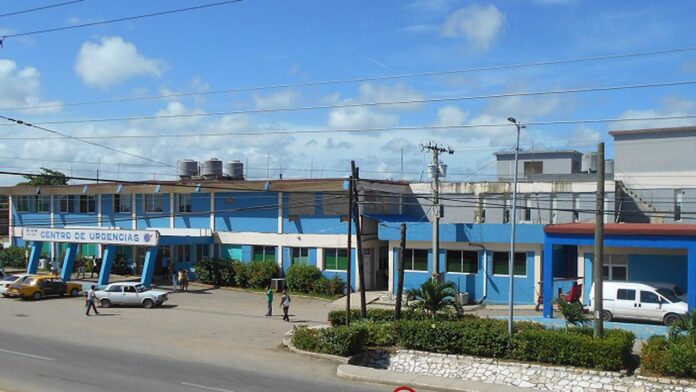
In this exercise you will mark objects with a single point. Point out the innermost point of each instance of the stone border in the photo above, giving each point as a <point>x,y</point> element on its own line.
<point>287,342</point>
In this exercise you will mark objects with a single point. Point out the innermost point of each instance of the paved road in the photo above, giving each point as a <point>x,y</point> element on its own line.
<point>215,339</point>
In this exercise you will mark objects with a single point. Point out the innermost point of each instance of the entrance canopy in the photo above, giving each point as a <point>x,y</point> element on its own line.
<point>619,235</point>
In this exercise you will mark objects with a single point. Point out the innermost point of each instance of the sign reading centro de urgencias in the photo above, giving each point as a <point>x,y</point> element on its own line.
<point>92,236</point>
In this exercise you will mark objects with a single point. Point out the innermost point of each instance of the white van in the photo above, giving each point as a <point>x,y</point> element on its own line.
<point>639,301</point>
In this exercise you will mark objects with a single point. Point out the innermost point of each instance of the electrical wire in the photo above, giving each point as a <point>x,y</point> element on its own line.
<point>366,78</point>
<point>62,28</point>
<point>40,8</point>
<point>378,103</point>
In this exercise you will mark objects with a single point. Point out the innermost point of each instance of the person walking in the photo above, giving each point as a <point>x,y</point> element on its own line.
<point>54,267</point>
<point>175,281</point>
<point>80,268</point>
<point>185,279</point>
<point>285,304</point>
<point>269,301</point>
<point>94,268</point>
<point>91,297</point>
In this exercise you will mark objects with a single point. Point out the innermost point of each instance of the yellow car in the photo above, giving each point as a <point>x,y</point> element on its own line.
<point>37,287</point>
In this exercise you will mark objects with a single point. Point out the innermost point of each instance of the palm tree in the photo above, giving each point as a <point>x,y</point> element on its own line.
<point>685,325</point>
<point>434,296</point>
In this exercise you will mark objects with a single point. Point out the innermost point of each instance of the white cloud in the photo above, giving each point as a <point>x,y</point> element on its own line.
<point>670,107</point>
<point>398,92</point>
<point>280,99</point>
<point>360,117</point>
<point>450,115</point>
<point>21,87</point>
<point>479,25</point>
<point>583,137</point>
<point>113,60</point>
<point>183,119</point>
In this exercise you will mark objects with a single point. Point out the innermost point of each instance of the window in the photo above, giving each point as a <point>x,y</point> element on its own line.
<point>462,261</point>
<point>300,256</point>
<point>67,203</point>
<point>615,267</point>
<point>648,297</point>
<point>122,203</point>
<point>153,203</point>
<point>678,200</point>
<point>22,203</point>
<point>626,295</point>
<point>532,168</point>
<point>500,263</point>
<point>88,204</point>
<point>527,210</point>
<point>576,208</point>
<point>184,202</point>
<point>335,259</point>
<point>264,253</point>
<point>129,289</point>
<point>42,203</point>
<point>416,260</point>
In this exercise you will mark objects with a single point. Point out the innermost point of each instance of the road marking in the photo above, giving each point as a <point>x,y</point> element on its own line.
<point>26,355</point>
<point>207,388</point>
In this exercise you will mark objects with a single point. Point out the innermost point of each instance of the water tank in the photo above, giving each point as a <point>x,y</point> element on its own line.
<point>187,168</point>
<point>234,169</point>
<point>212,168</point>
<point>589,162</point>
<point>609,166</point>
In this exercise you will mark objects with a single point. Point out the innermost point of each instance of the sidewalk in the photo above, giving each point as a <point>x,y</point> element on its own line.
<point>434,383</point>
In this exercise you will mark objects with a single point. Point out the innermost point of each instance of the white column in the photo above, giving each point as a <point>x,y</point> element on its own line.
<point>390,252</point>
<point>538,266</point>
<point>9,222</point>
<point>99,210</point>
<point>320,258</point>
<point>280,212</point>
<point>52,218</point>
<point>134,204</point>
<point>171,209</point>
<point>281,255</point>
<point>212,211</point>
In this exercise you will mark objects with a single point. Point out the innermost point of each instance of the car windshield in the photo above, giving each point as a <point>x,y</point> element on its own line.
<point>11,278</point>
<point>141,288</point>
<point>669,294</point>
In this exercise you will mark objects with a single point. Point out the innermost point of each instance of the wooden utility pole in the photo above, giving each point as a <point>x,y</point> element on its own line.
<point>400,283</point>
<point>358,238</point>
<point>349,249</point>
<point>598,267</point>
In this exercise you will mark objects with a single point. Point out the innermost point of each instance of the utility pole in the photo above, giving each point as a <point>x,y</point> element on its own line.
<point>513,221</point>
<point>400,283</point>
<point>436,170</point>
<point>598,267</point>
<point>358,238</point>
<point>348,251</point>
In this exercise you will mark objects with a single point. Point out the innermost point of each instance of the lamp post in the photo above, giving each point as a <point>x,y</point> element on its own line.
<point>511,261</point>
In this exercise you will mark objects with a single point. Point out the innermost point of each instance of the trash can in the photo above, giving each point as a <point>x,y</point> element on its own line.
<point>464,298</point>
<point>278,284</point>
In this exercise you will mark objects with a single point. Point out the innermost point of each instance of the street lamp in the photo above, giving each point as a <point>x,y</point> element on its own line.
<point>511,261</point>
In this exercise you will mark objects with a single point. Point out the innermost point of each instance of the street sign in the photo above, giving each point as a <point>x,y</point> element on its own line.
<point>92,236</point>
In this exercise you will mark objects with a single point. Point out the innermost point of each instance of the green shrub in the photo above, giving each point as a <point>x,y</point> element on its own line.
<point>240,273</point>
<point>342,340</point>
<point>378,333</point>
<point>669,357</point>
<point>12,257</point>
<point>575,347</point>
<point>302,278</point>
<point>338,317</point>
<point>119,267</point>
<point>226,273</point>
<point>214,271</point>
<point>305,339</point>
<point>260,273</point>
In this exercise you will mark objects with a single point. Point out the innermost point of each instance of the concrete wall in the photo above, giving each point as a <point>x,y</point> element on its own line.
<point>553,163</point>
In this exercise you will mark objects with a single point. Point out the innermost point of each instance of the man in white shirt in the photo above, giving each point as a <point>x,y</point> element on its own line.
<point>91,297</point>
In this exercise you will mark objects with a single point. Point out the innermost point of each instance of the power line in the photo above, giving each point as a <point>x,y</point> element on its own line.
<point>364,79</point>
<point>21,122</point>
<point>120,19</point>
<point>381,103</point>
<point>40,8</point>
<point>351,130</point>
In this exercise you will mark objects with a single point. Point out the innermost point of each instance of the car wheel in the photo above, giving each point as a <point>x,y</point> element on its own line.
<point>148,303</point>
<point>36,296</point>
<point>607,316</point>
<point>105,303</point>
<point>671,319</point>
<point>74,292</point>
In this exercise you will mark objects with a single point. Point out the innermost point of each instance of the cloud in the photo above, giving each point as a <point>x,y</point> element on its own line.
<point>22,87</point>
<point>176,108</point>
<point>450,115</point>
<point>113,60</point>
<point>479,25</point>
<point>397,145</point>
<point>360,117</point>
<point>671,106</point>
<point>398,92</point>
<point>280,99</point>
<point>331,145</point>
<point>583,137</point>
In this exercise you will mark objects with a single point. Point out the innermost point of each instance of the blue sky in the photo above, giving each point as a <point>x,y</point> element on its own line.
<point>269,42</point>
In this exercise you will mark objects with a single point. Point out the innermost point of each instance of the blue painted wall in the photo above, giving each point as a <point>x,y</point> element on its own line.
<point>199,217</point>
<point>112,219</point>
<point>389,229</point>
<point>524,286</point>
<point>246,212</point>
<point>155,219</point>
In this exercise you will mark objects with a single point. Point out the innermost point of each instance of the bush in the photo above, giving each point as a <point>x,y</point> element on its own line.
<point>302,278</point>
<point>338,317</point>
<point>260,273</point>
<point>669,357</point>
<point>342,341</point>
<point>575,347</point>
<point>240,274</point>
<point>378,333</point>
<point>214,271</point>
<point>12,257</point>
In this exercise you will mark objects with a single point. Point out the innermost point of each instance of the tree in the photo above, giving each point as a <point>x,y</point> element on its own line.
<point>47,177</point>
<point>434,296</point>
<point>686,325</point>
<point>572,313</point>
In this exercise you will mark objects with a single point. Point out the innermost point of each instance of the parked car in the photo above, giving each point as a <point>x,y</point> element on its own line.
<point>37,287</point>
<point>639,301</point>
<point>130,293</point>
<point>9,280</point>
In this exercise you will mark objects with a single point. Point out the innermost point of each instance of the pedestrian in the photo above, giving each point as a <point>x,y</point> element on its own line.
<point>54,267</point>
<point>269,301</point>
<point>94,268</point>
<point>285,304</point>
<point>81,268</point>
<point>185,280</point>
<point>181,279</point>
<point>91,297</point>
<point>174,281</point>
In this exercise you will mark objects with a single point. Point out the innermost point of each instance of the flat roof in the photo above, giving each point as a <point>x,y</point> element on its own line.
<point>645,229</point>
<point>538,152</point>
<point>653,130</point>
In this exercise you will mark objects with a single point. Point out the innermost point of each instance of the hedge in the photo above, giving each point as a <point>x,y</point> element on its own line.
<point>669,357</point>
<point>338,317</point>
<point>379,333</point>
<point>12,257</point>
<point>260,273</point>
<point>343,341</point>
<point>309,279</point>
